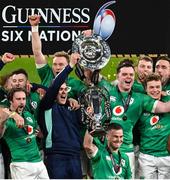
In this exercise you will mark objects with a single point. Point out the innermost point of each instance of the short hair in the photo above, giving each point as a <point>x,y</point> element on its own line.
<point>115,126</point>
<point>146,58</point>
<point>125,63</point>
<point>20,71</point>
<point>4,79</point>
<point>62,54</point>
<point>166,58</point>
<point>151,77</point>
<point>13,91</point>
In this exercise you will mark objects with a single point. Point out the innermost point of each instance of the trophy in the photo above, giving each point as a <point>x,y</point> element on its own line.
<point>94,55</point>
<point>98,119</point>
<point>94,51</point>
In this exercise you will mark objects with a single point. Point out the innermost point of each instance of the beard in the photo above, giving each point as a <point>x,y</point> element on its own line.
<point>142,77</point>
<point>20,109</point>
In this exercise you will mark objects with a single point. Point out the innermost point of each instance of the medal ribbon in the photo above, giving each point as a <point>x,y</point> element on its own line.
<point>115,166</point>
<point>125,101</point>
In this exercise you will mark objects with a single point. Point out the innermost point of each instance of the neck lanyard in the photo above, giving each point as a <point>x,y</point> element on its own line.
<point>115,165</point>
<point>125,101</point>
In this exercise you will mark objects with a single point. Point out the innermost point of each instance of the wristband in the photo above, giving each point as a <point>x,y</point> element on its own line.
<point>12,114</point>
<point>34,28</point>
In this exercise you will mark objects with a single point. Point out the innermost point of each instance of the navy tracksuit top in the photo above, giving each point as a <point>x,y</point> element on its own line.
<point>60,125</point>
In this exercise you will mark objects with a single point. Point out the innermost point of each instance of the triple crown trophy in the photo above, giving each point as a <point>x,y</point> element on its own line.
<point>94,55</point>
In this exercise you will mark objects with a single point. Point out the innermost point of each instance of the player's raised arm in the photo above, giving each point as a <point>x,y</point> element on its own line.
<point>34,21</point>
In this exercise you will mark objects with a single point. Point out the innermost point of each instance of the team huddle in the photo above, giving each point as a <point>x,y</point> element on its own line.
<point>41,123</point>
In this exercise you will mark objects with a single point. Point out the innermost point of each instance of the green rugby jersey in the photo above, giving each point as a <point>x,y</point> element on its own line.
<point>166,88</point>
<point>3,98</point>
<point>154,131</point>
<point>77,86</point>
<point>32,103</point>
<point>46,75</point>
<point>22,141</point>
<point>102,166</point>
<point>138,87</point>
<point>138,103</point>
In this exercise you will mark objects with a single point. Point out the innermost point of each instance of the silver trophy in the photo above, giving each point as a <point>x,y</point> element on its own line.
<point>94,51</point>
<point>96,98</point>
<point>94,55</point>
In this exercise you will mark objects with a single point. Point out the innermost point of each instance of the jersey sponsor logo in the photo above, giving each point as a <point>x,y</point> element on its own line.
<point>157,126</point>
<point>29,129</point>
<point>34,104</point>
<point>168,92</point>
<point>118,110</point>
<point>113,98</point>
<point>117,118</point>
<point>154,120</point>
<point>29,119</point>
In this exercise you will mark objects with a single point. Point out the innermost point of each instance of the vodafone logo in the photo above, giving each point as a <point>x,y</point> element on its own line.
<point>118,110</point>
<point>154,120</point>
<point>29,129</point>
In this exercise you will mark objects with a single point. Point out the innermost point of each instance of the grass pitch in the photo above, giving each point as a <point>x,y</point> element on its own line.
<point>109,71</point>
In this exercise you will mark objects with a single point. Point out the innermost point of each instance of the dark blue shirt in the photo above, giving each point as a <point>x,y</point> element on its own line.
<point>59,123</point>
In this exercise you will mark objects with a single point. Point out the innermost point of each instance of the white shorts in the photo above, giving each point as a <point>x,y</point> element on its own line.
<point>28,170</point>
<point>1,167</point>
<point>131,156</point>
<point>151,167</point>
